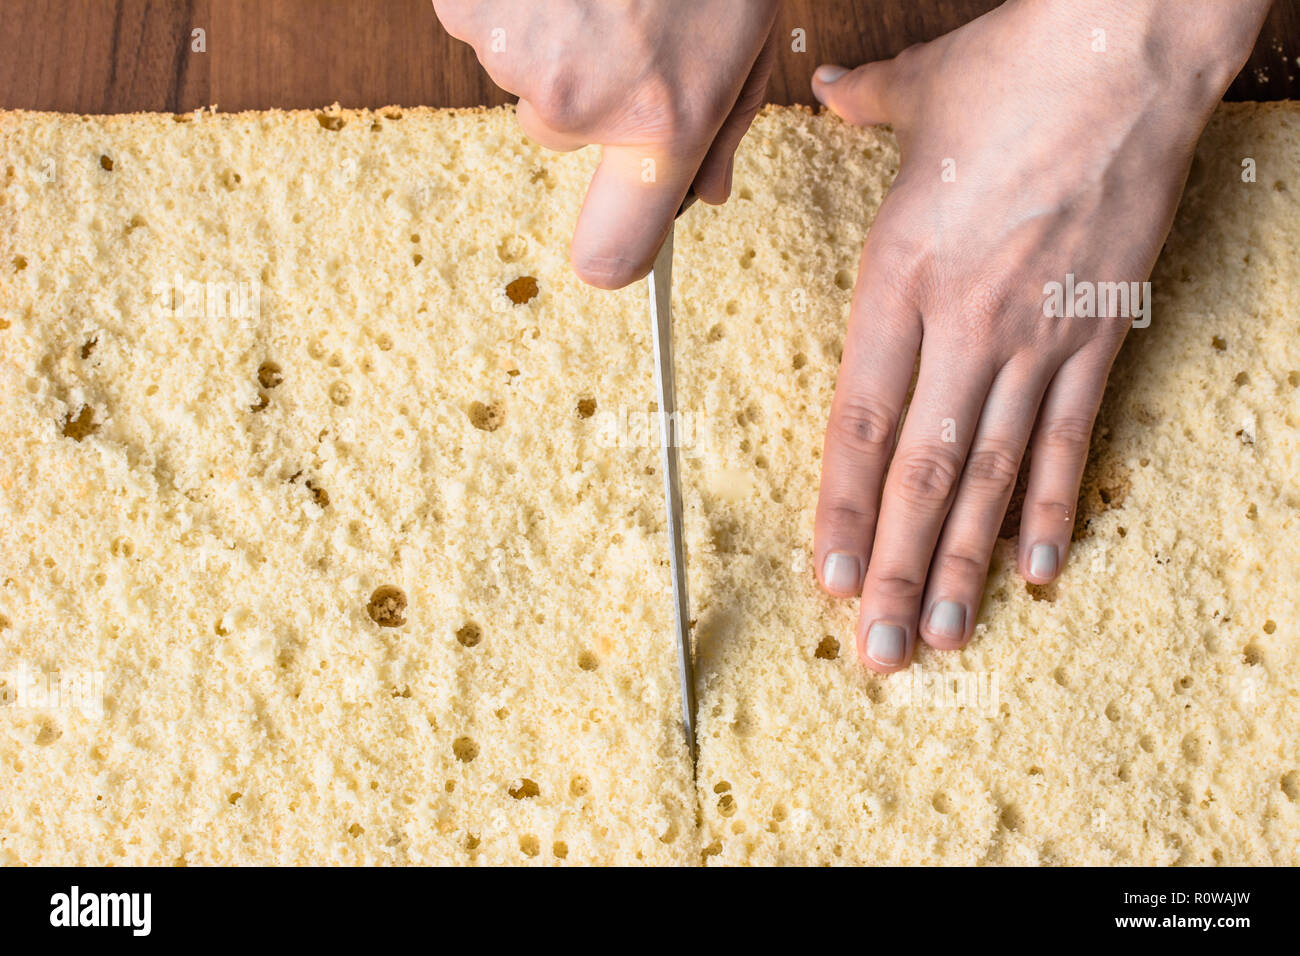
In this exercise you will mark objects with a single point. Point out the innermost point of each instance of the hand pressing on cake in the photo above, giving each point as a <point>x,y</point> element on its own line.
<point>667,89</point>
<point>1045,140</point>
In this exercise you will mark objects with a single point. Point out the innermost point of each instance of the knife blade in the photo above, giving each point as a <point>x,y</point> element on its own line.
<point>660,282</point>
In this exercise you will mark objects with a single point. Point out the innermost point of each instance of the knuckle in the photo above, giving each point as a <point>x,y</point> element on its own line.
<point>904,71</point>
<point>897,583</point>
<point>555,97</point>
<point>656,112</point>
<point>992,470</point>
<point>751,100</point>
<point>1067,433</point>
<point>907,60</point>
<point>926,477</point>
<point>844,512</point>
<point>961,566</point>
<point>863,426</point>
<point>989,295</point>
<point>903,260</point>
<point>1051,513</point>
<point>456,17</point>
<point>986,314</point>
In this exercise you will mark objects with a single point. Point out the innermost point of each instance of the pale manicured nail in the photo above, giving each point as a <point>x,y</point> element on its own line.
<point>886,644</point>
<point>829,73</point>
<point>842,573</point>
<point>1042,561</point>
<point>948,620</point>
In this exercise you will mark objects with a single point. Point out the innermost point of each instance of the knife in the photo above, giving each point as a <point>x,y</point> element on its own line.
<point>660,283</point>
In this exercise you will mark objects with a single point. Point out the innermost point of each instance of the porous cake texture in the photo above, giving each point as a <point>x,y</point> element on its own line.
<point>331,523</point>
<point>301,452</point>
<point>1143,708</point>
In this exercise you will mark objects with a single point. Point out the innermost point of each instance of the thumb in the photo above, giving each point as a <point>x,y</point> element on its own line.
<point>630,203</point>
<point>858,96</point>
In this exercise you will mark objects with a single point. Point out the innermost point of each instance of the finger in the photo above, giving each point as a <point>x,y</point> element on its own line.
<point>535,128</point>
<point>713,180</point>
<point>1059,452</point>
<point>961,559</point>
<point>919,490</point>
<point>630,203</point>
<point>453,17</point>
<point>466,22</point>
<point>880,349</point>
<point>858,96</point>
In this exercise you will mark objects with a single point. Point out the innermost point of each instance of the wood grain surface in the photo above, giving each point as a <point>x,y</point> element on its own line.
<point>108,56</point>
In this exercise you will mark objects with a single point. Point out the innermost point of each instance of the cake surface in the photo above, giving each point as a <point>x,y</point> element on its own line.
<point>364,580</point>
<point>1142,709</point>
<point>316,456</point>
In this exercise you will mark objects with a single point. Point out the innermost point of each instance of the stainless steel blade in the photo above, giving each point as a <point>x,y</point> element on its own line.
<point>661,283</point>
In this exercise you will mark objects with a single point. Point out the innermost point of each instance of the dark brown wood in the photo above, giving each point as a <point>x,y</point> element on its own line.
<point>93,56</point>
<point>99,56</point>
<point>305,53</point>
<point>1273,72</point>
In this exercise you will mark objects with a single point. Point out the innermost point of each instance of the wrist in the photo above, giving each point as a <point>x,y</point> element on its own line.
<point>1206,42</point>
<point>1184,52</point>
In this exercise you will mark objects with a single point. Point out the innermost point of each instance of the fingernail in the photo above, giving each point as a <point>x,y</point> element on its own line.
<point>886,644</point>
<point>842,573</point>
<point>828,73</point>
<point>1042,561</point>
<point>948,620</point>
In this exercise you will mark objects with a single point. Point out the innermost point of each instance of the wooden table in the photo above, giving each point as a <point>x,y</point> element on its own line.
<point>104,56</point>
